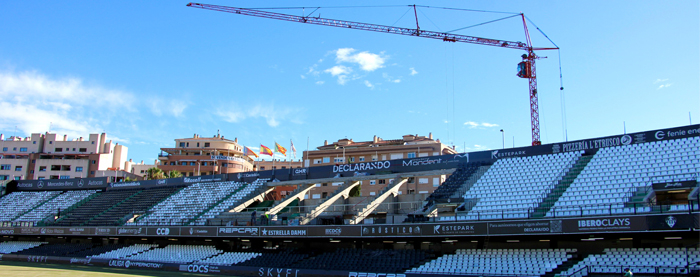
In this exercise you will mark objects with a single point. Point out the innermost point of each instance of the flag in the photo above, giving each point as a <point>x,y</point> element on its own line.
<point>294,150</point>
<point>280,149</point>
<point>265,151</point>
<point>249,152</point>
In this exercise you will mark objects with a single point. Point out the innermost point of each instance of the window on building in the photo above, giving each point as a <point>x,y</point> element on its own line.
<point>262,168</point>
<point>17,178</point>
<point>42,168</point>
<point>324,184</point>
<point>422,180</point>
<point>182,144</point>
<point>284,167</point>
<point>23,149</point>
<point>31,171</point>
<point>55,167</point>
<point>198,144</point>
<point>94,162</point>
<point>50,142</point>
<point>411,180</point>
<point>73,149</point>
<point>193,163</point>
<point>352,159</point>
<point>362,158</point>
<point>339,160</point>
<point>381,182</point>
<point>65,168</point>
<point>82,150</point>
<point>317,161</point>
<point>326,159</point>
<point>204,163</point>
<point>4,149</point>
<point>411,155</point>
<point>4,177</point>
<point>92,172</point>
<point>206,144</point>
<point>78,169</point>
<point>188,144</point>
<point>372,182</point>
<point>5,167</point>
<point>172,163</point>
<point>65,177</point>
<point>18,168</point>
<point>41,178</point>
<point>183,163</point>
<point>33,142</point>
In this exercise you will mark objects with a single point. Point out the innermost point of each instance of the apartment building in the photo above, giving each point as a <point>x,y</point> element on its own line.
<point>198,155</point>
<point>47,156</point>
<point>347,151</point>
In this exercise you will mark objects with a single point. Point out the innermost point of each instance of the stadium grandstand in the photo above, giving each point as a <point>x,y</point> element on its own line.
<point>591,207</point>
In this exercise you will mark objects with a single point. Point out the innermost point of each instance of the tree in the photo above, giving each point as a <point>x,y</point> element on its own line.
<point>174,174</point>
<point>129,179</point>
<point>155,173</point>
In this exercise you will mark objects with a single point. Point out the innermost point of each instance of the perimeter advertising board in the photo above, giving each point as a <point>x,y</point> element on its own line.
<point>606,224</point>
<point>525,227</point>
<point>62,184</point>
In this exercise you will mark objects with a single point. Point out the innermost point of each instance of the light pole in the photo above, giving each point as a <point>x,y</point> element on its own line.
<point>503,136</point>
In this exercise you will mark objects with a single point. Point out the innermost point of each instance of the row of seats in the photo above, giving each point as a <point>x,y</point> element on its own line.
<point>17,203</point>
<point>176,254</point>
<point>60,203</point>
<point>523,182</point>
<point>639,260</point>
<point>186,204</point>
<point>619,171</point>
<point>125,251</point>
<point>524,262</point>
<point>229,258</point>
<point>8,247</point>
<point>235,199</point>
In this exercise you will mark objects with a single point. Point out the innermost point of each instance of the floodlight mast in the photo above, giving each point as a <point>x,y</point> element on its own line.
<point>526,67</point>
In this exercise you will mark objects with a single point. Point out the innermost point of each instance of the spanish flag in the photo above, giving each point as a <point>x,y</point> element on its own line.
<point>249,152</point>
<point>265,151</point>
<point>280,149</point>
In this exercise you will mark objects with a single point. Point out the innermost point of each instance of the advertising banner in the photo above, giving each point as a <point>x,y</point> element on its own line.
<point>674,185</point>
<point>525,227</point>
<point>198,231</point>
<point>163,231</point>
<point>334,231</point>
<point>454,229</point>
<point>392,230</point>
<point>62,184</point>
<point>672,222</point>
<point>603,224</point>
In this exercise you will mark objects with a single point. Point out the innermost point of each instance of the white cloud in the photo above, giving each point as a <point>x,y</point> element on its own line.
<point>472,124</point>
<point>660,80</point>
<point>369,85</point>
<point>160,106</point>
<point>302,76</point>
<point>664,86</point>
<point>320,82</point>
<point>413,71</point>
<point>273,115</point>
<point>391,79</point>
<point>367,61</point>
<point>35,102</point>
<point>338,70</point>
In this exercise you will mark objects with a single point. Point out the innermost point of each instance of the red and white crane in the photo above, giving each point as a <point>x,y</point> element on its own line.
<point>526,68</point>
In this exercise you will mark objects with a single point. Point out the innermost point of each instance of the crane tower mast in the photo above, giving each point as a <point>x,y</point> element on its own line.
<point>526,67</point>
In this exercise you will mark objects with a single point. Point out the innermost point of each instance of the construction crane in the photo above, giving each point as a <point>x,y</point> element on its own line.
<point>526,68</point>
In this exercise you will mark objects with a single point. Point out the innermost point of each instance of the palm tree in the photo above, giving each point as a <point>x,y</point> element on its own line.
<point>155,173</point>
<point>174,174</point>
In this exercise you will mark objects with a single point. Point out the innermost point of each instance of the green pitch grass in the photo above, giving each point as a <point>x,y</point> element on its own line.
<point>21,269</point>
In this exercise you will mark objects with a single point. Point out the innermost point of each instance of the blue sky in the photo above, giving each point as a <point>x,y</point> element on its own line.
<point>151,72</point>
